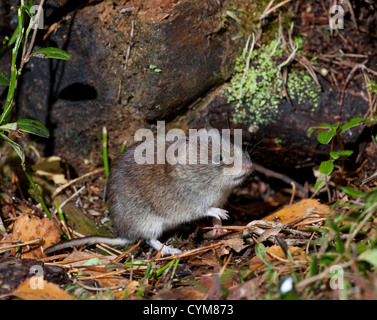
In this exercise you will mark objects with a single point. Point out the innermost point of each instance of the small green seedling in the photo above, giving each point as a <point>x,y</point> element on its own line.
<point>154,68</point>
<point>325,136</point>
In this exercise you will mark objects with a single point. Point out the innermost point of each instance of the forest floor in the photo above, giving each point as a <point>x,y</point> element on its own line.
<point>278,243</point>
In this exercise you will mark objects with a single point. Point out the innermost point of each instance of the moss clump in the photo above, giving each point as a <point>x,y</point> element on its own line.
<point>302,88</point>
<point>256,85</point>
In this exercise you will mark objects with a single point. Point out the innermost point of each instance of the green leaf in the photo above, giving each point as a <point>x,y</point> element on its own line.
<point>26,9</point>
<point>319,185</point>
<point>4,78</point>
<point>92,262</point>
<point>326,167</point>
<point>9,126</point>
<point>51,52</point>
<point>353,192</point>
<point>15,146</point>
<point>313,269</point>
<point>15,34</point>
<point>370,199</point>
<point>369,256</point>
<point>353,123</point>
<point>33,126</point>
<point>339,244</point>
<point>340,154</point>
<point>325,137</point>
<point>260,251</point>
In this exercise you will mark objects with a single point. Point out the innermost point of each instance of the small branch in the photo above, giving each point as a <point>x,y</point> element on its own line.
<point>61,188</point>
<point>272,174</point>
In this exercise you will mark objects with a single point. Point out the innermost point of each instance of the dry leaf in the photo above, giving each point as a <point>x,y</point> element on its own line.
<point>255,263</point>
<point>235,244</point>
<point>50,168</point>
<point>43,290</point>
<point>293,212</point>
<point>79,259</point>
<point>30,228</point>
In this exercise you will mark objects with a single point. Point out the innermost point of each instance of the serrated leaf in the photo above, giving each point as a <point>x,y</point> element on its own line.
<point>340,154</point>
<point>33,126</point>
<point>325,137</point>
<point>353,123</point>
<point>51,53</point>
<point>326,167</point>
<point>15,146</point>
<point>4,78</point>
<point>353,192</point>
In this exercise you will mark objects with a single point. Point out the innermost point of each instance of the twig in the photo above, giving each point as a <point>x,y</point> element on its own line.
<point>293,192</point>
<point>61,188</point>
<point>27,243</point>
<point>99,289</point>
<point>272,174</point>
<point>268,11</point>
<point>355,67</point>
<point>23,202</point>
<point>367,81</point>
<point>302,284</point>
<point>124,254</point>
<point>71,197</point>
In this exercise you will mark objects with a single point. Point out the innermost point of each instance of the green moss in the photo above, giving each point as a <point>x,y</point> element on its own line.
<point>256,85</point>
<point>302,88</point>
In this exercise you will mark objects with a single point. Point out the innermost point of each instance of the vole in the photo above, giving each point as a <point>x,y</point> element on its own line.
<point>146,199</point>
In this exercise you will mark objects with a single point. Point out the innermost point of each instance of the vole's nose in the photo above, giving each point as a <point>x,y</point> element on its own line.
<point>247,165</point>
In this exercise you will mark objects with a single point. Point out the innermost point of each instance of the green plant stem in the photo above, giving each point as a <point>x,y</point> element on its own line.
<point>61,217</point>
<point>368,214</point>
<point>174,269</point>
<point>39,196</point>
<point>104,153</point>
<point>14,72</point>
<point>25,57</point>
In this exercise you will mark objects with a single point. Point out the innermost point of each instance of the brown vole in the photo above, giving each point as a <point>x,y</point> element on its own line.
<point>146,199</point>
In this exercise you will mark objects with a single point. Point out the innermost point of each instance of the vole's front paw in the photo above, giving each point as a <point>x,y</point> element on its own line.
<point>217,215</point>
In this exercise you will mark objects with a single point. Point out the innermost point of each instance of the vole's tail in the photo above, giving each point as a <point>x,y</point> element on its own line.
<point>87,241</point>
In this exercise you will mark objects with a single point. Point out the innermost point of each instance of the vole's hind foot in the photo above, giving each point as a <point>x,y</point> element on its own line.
<point>217,215</point>
<point>166,250</point>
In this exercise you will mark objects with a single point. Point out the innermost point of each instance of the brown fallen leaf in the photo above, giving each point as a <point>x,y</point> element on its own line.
<point>297,211</point>
<point>79,259</point>
<point>50,168</point>
<point>236,244</point>
<point>30,228</point>
<point>43,290</point>
<point>256,264</point>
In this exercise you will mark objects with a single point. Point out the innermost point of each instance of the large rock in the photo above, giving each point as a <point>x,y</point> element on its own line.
<point>131,65</point>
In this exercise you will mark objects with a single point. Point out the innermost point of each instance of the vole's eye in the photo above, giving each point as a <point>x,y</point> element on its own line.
<point>217,159</point>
